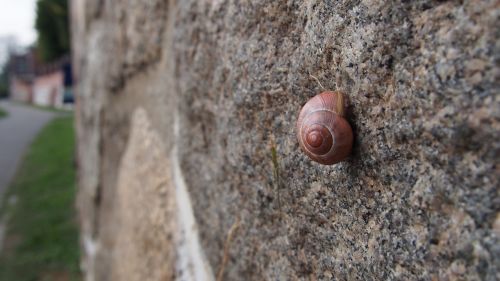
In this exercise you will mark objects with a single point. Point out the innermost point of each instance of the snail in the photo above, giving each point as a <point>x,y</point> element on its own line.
<point>323,132</point>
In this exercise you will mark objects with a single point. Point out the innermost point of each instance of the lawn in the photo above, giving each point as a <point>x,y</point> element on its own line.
<point>3,113</point>
<point>41,240</point>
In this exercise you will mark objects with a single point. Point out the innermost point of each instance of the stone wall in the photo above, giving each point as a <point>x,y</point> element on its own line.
<point>181,104</point>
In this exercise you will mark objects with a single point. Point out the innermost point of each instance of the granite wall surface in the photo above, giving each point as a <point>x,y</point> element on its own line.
<point>181,105</point>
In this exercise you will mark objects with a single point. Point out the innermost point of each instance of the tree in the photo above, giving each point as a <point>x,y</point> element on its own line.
<point>4,83</point>
<point>52,25</point>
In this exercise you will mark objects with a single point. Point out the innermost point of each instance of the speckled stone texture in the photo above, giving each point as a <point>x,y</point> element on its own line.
<point>417,200</point>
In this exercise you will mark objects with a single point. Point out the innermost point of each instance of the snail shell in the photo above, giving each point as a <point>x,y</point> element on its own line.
<point>323,132</point>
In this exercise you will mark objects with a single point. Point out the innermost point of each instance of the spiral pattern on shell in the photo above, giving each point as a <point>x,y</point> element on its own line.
<point>323,132</point>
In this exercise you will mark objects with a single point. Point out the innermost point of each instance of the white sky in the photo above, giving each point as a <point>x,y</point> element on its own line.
<point>17,18</point>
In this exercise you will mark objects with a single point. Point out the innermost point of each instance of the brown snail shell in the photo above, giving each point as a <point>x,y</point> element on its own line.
<point>323,132</point>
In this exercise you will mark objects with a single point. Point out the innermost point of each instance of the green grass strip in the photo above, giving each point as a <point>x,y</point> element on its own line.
<point>41,241</point>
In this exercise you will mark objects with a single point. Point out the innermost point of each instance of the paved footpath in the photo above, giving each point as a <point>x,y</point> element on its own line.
<point>17,131</point>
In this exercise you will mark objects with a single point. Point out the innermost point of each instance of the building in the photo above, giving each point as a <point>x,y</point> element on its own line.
<point>44,84</point>
<point>21,69</point>
<point>52,84</point>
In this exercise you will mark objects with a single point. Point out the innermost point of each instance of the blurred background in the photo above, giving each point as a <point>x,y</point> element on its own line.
<point>38,233</point>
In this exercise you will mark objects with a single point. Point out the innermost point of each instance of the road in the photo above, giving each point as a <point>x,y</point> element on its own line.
<point>17,131</point>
